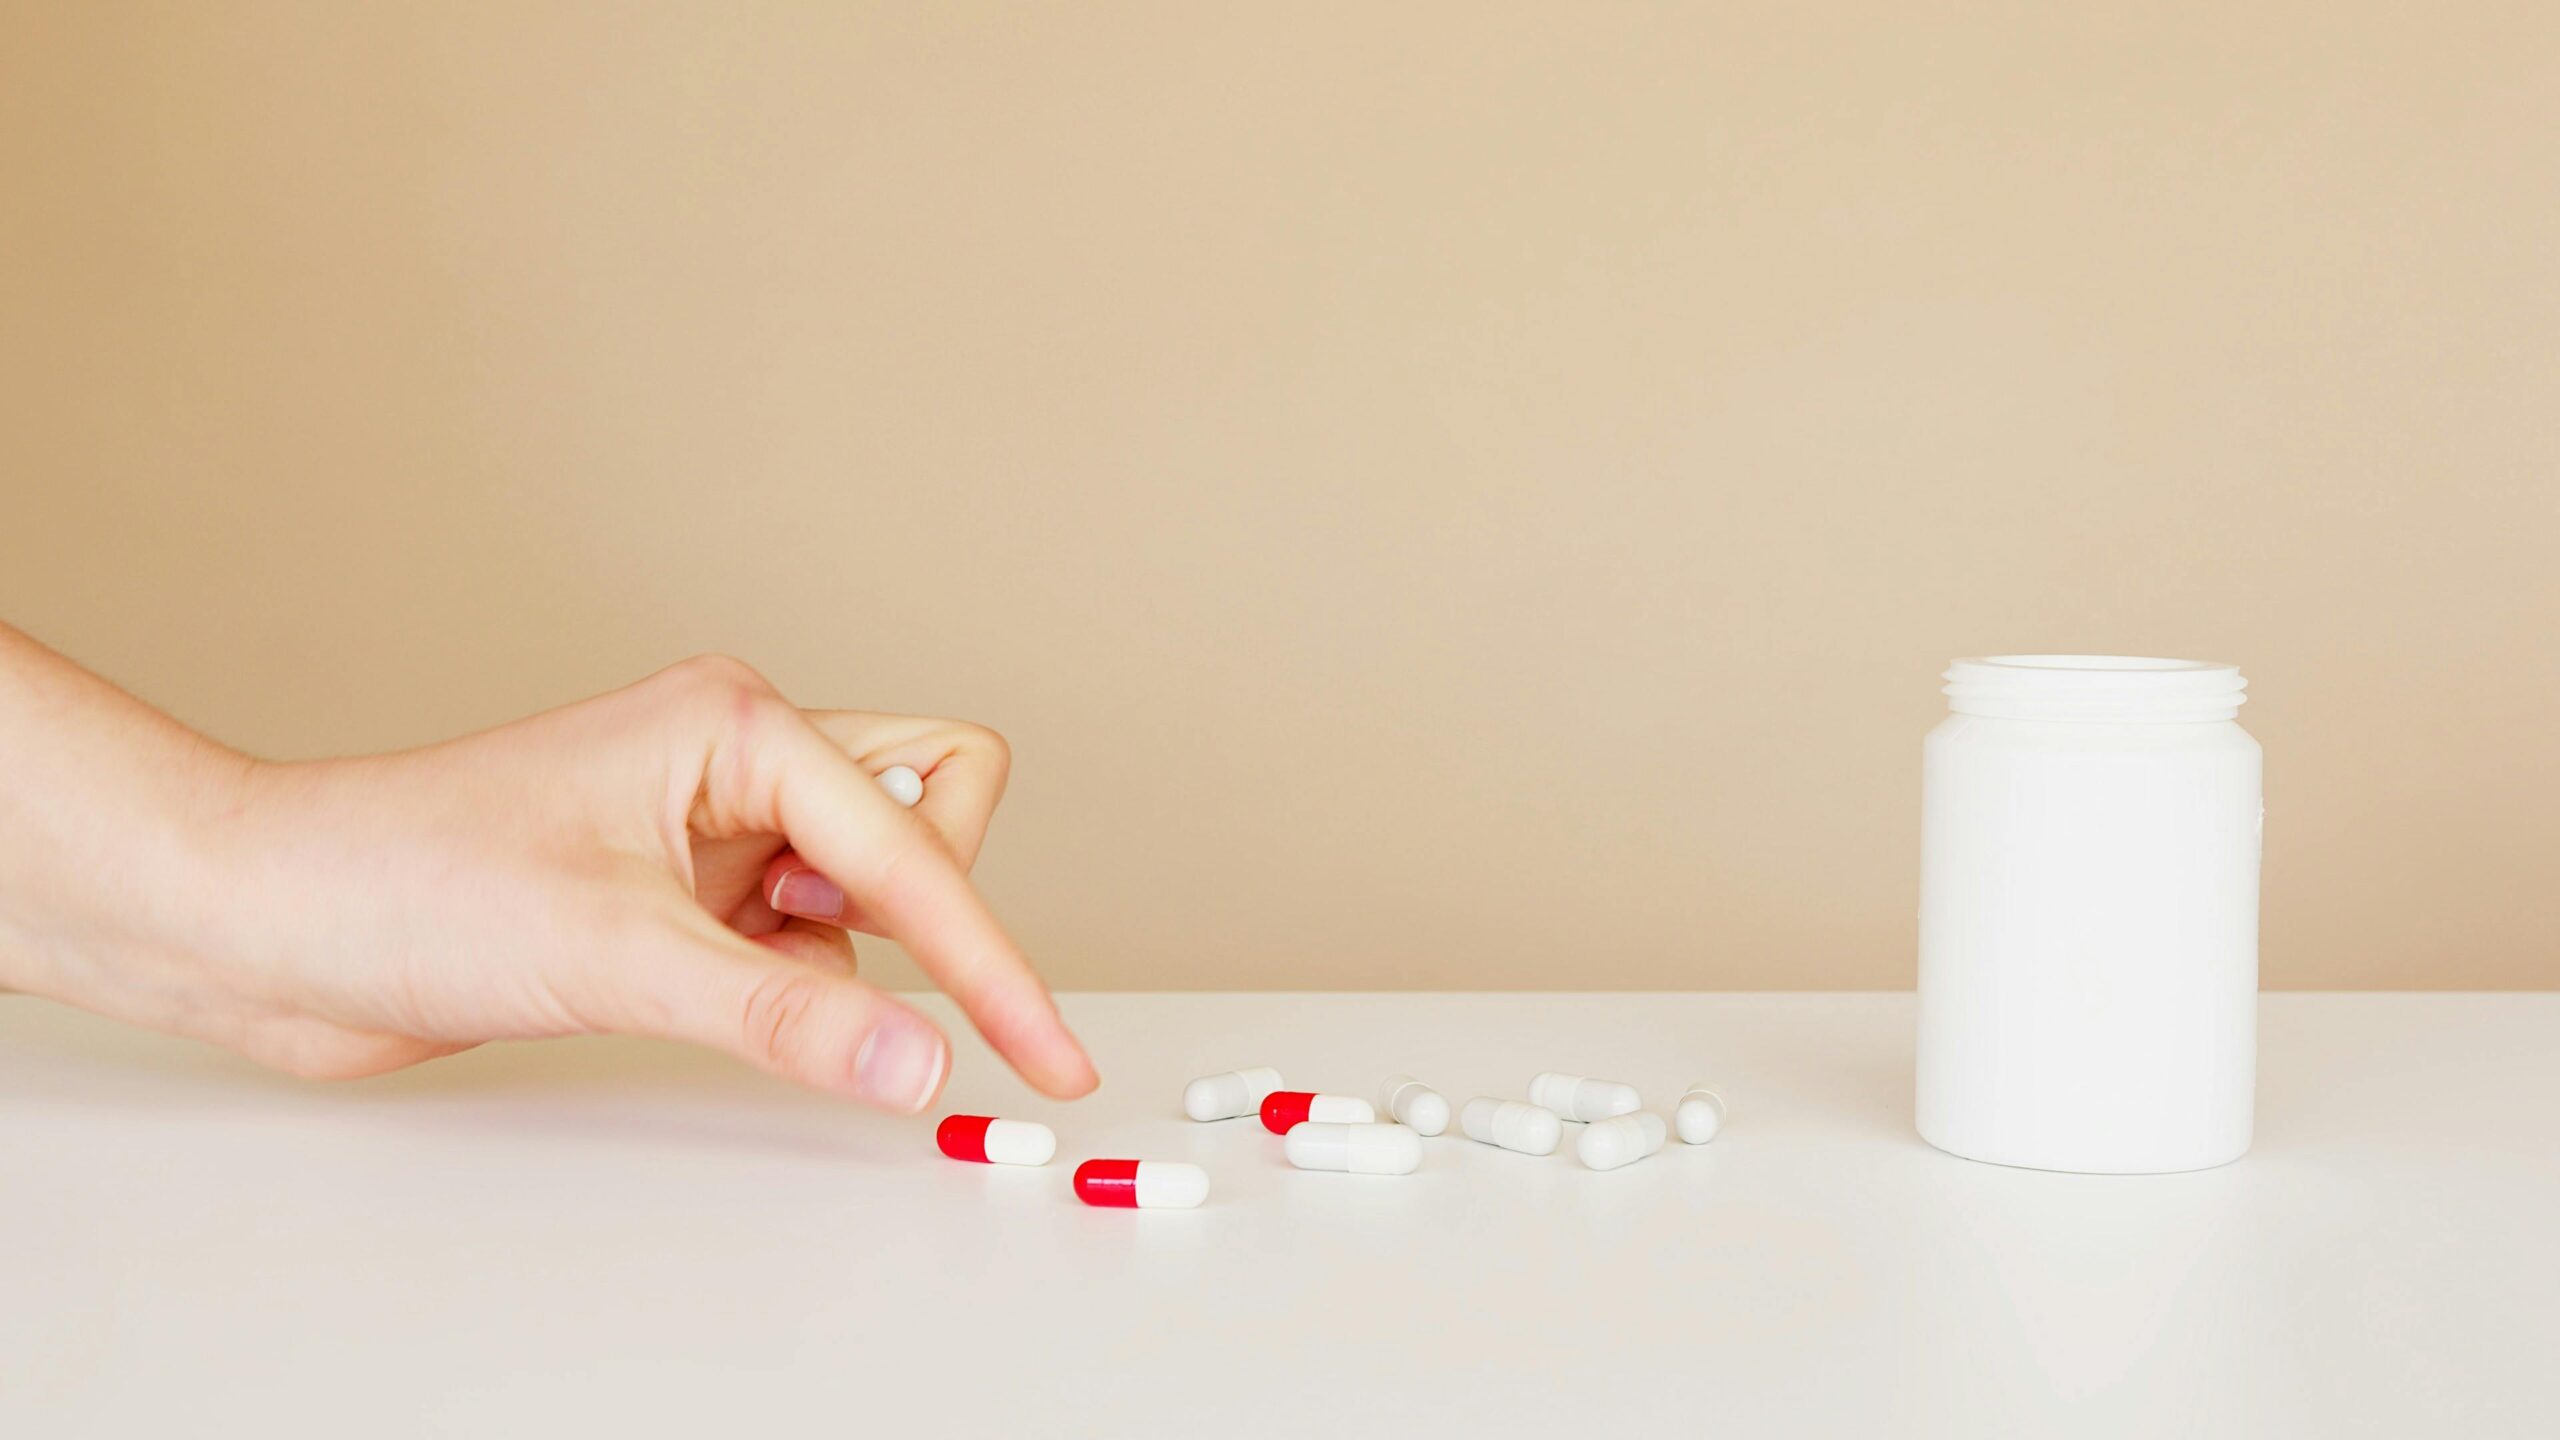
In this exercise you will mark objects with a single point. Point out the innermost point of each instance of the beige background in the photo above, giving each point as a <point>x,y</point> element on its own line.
<point>1438,495</point>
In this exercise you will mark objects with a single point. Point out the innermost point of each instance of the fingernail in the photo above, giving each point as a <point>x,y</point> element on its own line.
<point>805,892</point>
<point>900,1065</point>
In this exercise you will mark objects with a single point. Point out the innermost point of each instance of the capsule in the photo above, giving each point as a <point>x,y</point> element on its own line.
<point>1415,1105</point>
<point>1574,1098</point>
<point>990,1141</point>
<point>903,784</point>
<point>1354,1149</point>
<point>1511,1124</point>
<point>1141,1184</point>
<point>1282,1109</point>
<point>1620,1140</point>
<point>1224,1097</point>
<point>1700,1116</point>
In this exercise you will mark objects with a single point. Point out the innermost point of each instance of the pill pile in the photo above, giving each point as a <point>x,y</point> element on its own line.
<point>1342,1133</point>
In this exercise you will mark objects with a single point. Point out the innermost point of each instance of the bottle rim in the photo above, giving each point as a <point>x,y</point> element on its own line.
<point>2108,689</point>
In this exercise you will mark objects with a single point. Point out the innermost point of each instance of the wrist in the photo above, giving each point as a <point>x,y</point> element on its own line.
<point>112,828</point>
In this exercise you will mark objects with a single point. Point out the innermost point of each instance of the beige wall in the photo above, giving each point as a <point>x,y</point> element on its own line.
<point>1438,495</point>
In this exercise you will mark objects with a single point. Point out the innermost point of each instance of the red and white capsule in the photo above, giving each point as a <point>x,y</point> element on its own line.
<point>1282,1109</point>
<point>990,1141</point>
<point>1141,1184</point>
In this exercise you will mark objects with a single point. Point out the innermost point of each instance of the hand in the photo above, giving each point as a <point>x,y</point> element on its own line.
<point>680,858</point>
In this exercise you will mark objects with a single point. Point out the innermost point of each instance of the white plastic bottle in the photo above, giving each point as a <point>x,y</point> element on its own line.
<point>2089,915</point>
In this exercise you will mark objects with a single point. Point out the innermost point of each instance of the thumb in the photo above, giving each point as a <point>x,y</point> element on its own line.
<point>817,1027</point>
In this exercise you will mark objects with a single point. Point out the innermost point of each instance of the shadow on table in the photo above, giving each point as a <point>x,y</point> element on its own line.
<point>570,1091</point>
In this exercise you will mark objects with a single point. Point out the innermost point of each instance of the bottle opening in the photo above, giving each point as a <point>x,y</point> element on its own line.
<point>2110,689</point>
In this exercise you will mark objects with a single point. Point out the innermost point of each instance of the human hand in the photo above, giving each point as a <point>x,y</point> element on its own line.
<point>680,858</point>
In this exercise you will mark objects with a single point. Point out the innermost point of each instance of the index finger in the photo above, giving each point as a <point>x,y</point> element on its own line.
<point>904,878</point>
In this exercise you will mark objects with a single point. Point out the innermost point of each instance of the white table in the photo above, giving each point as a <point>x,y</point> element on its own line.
<point>616,1238</point>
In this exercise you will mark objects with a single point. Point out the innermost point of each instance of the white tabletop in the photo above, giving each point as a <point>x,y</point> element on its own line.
<point>615,1238</point>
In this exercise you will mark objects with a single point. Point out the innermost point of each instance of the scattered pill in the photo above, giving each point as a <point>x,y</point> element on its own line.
<point>1141,1184</point>
<point>1224,1097</point>
<point>1620,1140</point>
<point>1574,1098</point>
<point>1415,1105</point>
<point>1282,1109</point>
<point>903,784</point>
<point>1356,1149</point>
<point>990,1141</point>
<point>1511,1124</point>
<point>1700,1116</point>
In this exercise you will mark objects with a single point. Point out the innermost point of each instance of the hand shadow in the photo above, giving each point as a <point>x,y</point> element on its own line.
<point>585,1090</point>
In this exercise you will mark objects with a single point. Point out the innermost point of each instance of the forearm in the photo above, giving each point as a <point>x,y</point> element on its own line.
<point>108,810</point>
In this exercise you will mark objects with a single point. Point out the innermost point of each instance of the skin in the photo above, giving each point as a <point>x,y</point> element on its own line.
<point>682,858</point>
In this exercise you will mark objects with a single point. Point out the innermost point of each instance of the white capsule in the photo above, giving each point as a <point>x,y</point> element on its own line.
<point>1511,1124</point>
<point>1620,1140</point>
<point>1355,1149</point>
<point>1575,1098</point>
<point>1415,1104</point>
<point>1700,1116</point>
<point>903,784</point>
<point>1224,1097</point>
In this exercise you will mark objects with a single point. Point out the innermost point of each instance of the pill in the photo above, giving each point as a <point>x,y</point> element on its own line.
<point>1415,1105</point>
<point>1356,1149</point>
<point>1141,1184</point>
<point>1224,1097</point>
<point>1511,1124</point>
<point>1282,1109</point>
<point>990,1141</point>
<point>1700,1116</point>
<point>1620,1140</point>
<point>903,784</point>
<point>1574,1098</point>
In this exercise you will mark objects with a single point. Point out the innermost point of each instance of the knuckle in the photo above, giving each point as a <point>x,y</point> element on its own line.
<point>898,867</point>
<point>781,1022</point>
<point>997,747</point>
<point>983,741</point>
<point>724,676</point>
